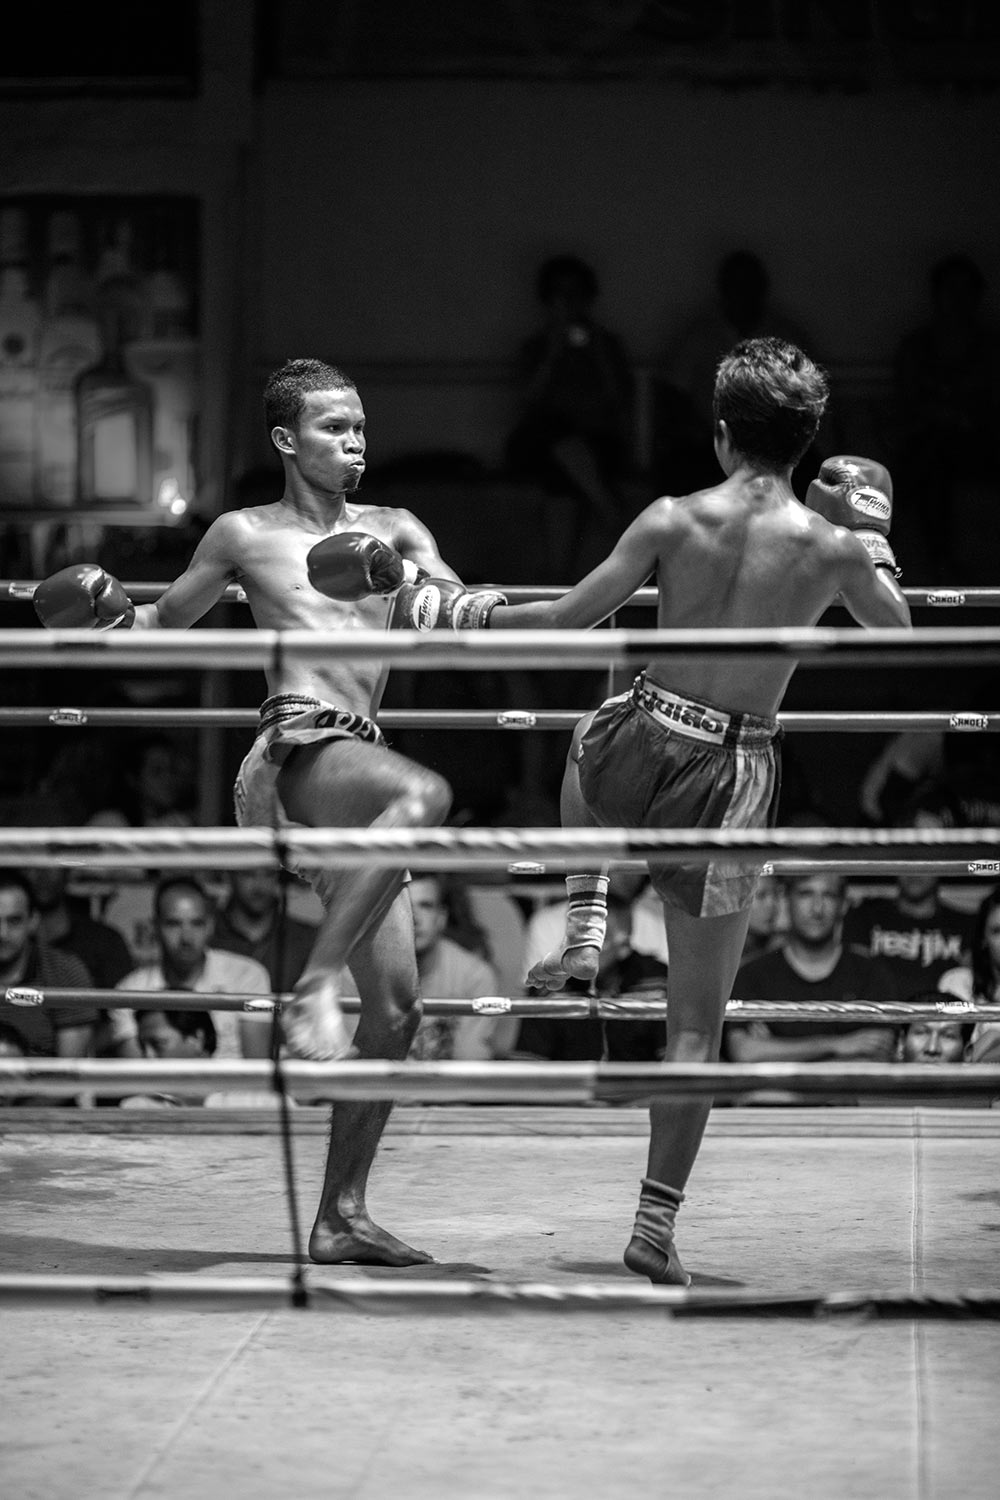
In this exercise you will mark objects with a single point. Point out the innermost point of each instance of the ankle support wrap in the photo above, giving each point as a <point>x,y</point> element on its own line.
<point>587,917</point>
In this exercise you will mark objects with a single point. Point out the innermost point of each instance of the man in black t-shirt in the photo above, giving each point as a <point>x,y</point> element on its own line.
<point>101,948</point>
<point>913,932</point>
<point>253,923</point>
<point>812,965</point>
<point>47,1030</point>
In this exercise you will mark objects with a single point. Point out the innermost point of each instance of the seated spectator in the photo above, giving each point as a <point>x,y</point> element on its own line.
<point>935,1042</point>
<point>104,953</point>
<point>183,919</point>
<point>54,1029</point>
<point>766,919</point>
<point>981,979</point>
<point>155,794</point>
<point>812,965</point>
<point>574,431</point>
<point>621,970</point>
<point>913,931</point>
<point>254,923</point>
<point>957,772</point>
<point>449,971</point>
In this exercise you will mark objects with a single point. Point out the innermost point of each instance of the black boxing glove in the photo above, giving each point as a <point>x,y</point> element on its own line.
<point>352,565</point>
<point>857,493</point>
<point>83,597</point>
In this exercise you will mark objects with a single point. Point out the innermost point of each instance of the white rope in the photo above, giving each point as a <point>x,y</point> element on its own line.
<point>495,1083</point>
<point>459,848</point>
<point>476,650</point>
<point>167,1293</point>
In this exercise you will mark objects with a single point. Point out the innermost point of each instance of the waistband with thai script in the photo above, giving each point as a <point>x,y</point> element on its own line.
<point>700,721</point>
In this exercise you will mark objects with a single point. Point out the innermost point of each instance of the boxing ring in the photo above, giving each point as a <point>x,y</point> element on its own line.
<point>836,1251</point>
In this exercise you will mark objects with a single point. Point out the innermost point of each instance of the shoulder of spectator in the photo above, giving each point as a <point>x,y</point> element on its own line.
<point>480,972</point>
<point>237,971</point>
<point>957,983</point>
<point>148,977</point>
<point>63,969</point>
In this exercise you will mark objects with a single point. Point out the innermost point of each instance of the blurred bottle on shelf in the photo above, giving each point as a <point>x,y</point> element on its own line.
<point>20,322</point>
<point>70,343</point>
<point>114,408</point>
<point>166,357</point>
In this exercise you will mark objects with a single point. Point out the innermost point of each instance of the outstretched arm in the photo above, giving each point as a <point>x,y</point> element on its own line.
<point>201,585</point>
<point>616,579</point>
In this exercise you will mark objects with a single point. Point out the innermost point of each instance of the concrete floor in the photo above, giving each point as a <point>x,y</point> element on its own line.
<point>130,1403</point>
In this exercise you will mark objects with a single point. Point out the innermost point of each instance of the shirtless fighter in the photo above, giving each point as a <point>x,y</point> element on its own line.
<point>319,758</point>
<point>697,745</point>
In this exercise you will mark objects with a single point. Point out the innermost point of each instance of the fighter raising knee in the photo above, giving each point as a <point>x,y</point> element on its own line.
<point>319,758</point>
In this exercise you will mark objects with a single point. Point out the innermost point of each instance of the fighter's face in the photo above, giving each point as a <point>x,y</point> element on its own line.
<point>184,927</point>
<point>17,923</point>
<point>327,444</point>
<point>933,1042</point>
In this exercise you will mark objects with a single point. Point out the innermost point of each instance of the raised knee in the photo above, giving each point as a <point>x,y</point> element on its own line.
<point>428,798</point>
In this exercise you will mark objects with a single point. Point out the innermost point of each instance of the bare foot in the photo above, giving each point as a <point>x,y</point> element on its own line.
<point>663,1267</point>
<point>552,971</point>
<point>313,1024</point>
<point>364,1243</point>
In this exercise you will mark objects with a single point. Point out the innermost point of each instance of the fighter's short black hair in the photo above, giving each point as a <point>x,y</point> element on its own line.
<point>771,397</point>
<point>287,388</point>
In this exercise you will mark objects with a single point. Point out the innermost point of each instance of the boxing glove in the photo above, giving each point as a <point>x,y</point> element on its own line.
<point>857,493</point>
<point>352,565</point>
<point>83,597</point>
<point>441,604</point>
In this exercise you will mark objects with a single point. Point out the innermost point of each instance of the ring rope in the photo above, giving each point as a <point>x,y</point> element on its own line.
<point>949,597</point>
<point>476,650</point>
<point>457,848</point>
<point>495,1083</point>
<point>641,1005</point>
<point>487,718</point>
<point>173,1292</point>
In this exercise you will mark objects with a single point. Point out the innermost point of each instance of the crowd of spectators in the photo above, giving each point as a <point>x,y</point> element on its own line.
<point>814,941</point>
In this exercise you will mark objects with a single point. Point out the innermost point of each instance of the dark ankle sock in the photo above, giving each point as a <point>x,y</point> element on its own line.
<point>651,1250</point>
